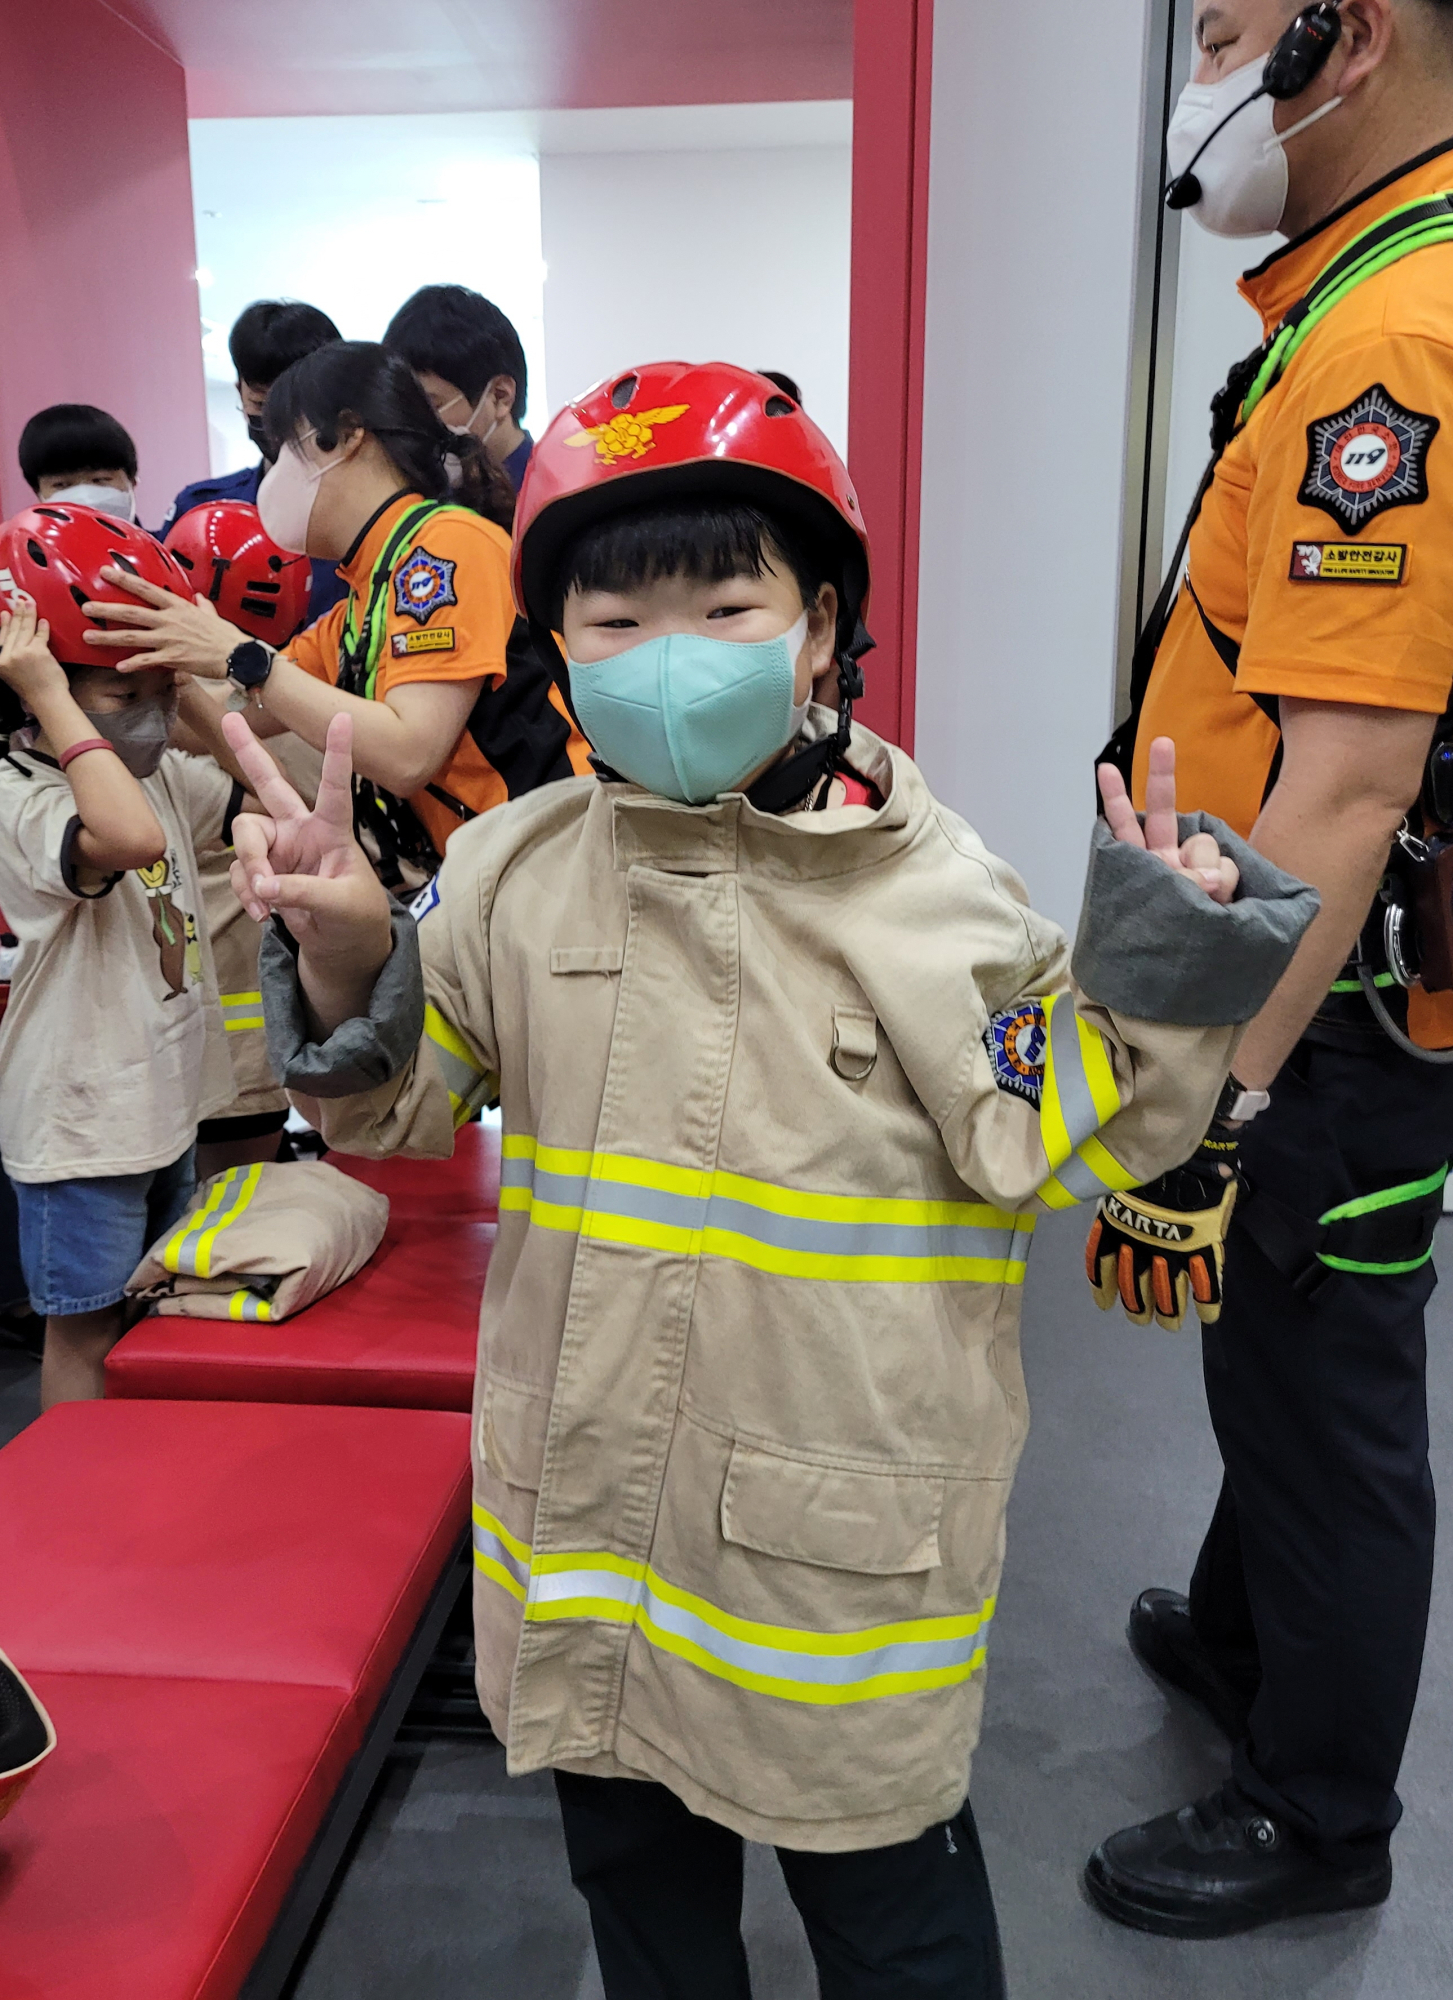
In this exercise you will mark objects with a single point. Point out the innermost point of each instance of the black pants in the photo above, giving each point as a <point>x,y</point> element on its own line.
<point>1312,1588</point>
<point>914,1922</point>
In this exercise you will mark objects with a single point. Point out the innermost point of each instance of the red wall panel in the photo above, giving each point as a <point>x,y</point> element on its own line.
<point>98,303</point>
<point>892,60</point>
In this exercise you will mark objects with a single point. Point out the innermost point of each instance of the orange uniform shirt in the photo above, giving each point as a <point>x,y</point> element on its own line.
<point>1322,562</point>
<point>448,616</point>
<point>1321,565</point>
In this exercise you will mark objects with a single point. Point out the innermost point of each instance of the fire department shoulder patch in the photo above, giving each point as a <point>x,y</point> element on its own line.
<point>1016,1040</point>
<point>1367,458</point>
<point>423,584</point>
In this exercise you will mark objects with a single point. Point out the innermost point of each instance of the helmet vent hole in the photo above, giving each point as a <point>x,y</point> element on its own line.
<point>779,406</point>
<point>53,513</point>
<point>36,553</point>
<point>123,561</point>
<point>623,391</point>
<point>185,561</point>
<point>274,563</point>
<point>79,595</point>
<point>259,606</point>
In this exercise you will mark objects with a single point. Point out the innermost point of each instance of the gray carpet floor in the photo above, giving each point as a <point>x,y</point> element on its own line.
<point>459,1891</point>
<point>458,1888</point>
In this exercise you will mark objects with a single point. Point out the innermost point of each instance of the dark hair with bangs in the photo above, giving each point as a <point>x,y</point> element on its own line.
<point>74,437</point>
<point>360,384</point>
<point>464,338</point>
<point>271,334</point>
<point>705,543</point>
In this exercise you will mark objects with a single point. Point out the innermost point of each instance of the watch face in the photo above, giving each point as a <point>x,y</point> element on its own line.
<point>249,664</point>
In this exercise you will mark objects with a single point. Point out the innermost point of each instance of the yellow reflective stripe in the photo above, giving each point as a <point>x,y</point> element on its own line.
<point>1099,1075</point>
<point>189,1249</point>
<point>1053,1131</point>
<point>1053,1195</point>
<point>245,1305</point>
<point>499,1555</point>
<point>1090,1172</point>
<point>786,1662</point>
<point>466,1083</point>
<point>1104,1165</point>
<point>241,1010</point>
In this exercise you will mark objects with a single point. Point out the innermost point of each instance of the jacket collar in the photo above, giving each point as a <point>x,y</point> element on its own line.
<point>1274,286</point>
<point>729,833</point>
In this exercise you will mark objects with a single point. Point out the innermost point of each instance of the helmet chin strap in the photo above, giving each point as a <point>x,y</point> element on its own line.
<point>788,784</point>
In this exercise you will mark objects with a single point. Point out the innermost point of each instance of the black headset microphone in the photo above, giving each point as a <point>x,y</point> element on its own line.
<point>1297,60</point>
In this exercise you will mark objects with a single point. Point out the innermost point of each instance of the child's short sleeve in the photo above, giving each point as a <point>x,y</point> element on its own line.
<point>38,866</point>
<point>204,794</point>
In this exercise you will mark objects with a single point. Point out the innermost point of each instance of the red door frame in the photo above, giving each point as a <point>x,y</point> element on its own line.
<point>892,68</point>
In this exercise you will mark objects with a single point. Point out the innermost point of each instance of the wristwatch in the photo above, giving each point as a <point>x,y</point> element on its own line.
<point>248,666</point>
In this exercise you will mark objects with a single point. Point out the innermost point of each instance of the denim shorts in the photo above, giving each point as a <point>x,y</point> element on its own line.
<point>80,1241</point>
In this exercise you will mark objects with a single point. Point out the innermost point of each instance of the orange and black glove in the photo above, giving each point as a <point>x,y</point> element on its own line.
<point>1162,1246</point>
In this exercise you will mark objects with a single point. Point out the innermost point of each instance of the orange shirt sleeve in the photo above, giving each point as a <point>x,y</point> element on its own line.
<point>1350,528</point>
<point>315,649</point>
<point>449,609</point>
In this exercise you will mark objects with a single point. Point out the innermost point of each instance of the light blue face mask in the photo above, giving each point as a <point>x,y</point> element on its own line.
<point>689,717</point>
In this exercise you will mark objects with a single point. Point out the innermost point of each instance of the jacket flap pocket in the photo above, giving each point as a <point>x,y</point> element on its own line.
<point>586,958</point>
<point>875,1523</point>
<point>512,1427</point>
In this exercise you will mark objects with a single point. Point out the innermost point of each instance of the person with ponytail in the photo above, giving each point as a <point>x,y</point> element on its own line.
<point>452,711</point>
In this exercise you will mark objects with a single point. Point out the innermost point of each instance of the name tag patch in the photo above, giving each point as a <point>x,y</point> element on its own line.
<point>1016,1042</point>
<point>435,639</point>
<point>1349,562</point>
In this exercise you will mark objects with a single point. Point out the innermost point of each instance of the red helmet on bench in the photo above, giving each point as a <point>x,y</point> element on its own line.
<point>27,1735</point>
<point>232,563</point>
<point>55,552</point>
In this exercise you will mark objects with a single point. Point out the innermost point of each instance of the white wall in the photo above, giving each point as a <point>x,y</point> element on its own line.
<point>722,233</point>
<point>696,231</point>
<point>1214,327</point>
<point>1034,170</point>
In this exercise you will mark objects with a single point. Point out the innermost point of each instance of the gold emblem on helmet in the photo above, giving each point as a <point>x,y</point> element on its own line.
<point>628,435</point>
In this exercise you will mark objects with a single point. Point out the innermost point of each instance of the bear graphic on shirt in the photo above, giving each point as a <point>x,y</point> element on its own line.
<point>173,929</point>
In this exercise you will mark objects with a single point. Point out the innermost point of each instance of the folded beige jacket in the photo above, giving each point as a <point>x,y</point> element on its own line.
<point>262,1242</point>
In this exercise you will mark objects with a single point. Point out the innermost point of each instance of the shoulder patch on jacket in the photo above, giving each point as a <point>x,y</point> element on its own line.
<point>423,584</point>
<point>1367,458</point>
<point>1016,1041</point>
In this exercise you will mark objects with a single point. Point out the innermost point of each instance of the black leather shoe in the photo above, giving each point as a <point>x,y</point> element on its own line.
<point>1163,1638</point>
<point>1222,1866</point>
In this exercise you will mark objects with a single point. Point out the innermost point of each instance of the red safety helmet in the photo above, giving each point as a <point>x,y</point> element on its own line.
<point>232,563</point>
<point>679,429</point>
<point>55,552</point>
<point>27,1735</point>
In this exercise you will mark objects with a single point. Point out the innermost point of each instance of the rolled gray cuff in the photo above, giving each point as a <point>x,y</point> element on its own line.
<point>1153,945</point>
<point>360,1054</point>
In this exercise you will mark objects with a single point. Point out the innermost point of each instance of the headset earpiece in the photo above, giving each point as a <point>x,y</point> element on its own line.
<point>1301,55</point>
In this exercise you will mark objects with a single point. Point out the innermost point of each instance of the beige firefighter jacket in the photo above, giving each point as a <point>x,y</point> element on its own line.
<point>782,1098</point>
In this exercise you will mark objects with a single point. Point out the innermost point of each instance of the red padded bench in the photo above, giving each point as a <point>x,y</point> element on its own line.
<point>225,1607</point>
<point>429,1190</point>
<point>402,1334</point>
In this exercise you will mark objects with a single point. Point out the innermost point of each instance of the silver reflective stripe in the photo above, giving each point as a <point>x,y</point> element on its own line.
<point>808,1235</point>
<point>181,1251</point>
<point>488,1543</point>
<point>1077,1106</point>
<point>1080,1180</point>
<point>641,1604</point>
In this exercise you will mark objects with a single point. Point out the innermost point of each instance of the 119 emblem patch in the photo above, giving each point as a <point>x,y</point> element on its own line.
<point>1016,1042</point>
<point>1367,458</point>
<point>423,584</point>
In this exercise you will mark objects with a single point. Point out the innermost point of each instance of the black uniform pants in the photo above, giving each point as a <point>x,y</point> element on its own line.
<point>914,1922</point>
<point>1312,1588</point>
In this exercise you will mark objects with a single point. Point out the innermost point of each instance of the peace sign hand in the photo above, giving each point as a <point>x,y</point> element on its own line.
<point>307,866</point>
<point>1199,859</point>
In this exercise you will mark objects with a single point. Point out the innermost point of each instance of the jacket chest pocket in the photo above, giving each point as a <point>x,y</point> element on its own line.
<point>872,1523</point>
<point>566,960</point>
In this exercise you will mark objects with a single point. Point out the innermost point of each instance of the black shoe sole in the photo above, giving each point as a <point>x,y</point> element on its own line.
<point>1317,1899</point>
<point>1168,1670</point>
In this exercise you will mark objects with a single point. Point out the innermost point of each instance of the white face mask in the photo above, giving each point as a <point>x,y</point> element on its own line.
<point>109,499</point>
<point>288,494</point>
<point>464,429</point>
<point>1243,171</point>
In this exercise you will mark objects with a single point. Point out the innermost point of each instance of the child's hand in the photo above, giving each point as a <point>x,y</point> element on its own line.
<point>26,661</point>
<point>306,865</point>
<point>1199,858</point>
